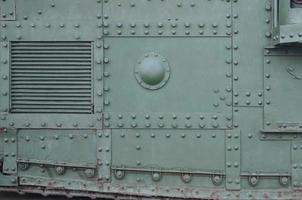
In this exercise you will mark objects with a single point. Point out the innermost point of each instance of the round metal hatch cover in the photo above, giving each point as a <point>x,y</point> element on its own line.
<point>152,71</point>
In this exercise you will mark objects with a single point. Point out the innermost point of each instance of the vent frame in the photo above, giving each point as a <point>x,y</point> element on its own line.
<point>68,64</point>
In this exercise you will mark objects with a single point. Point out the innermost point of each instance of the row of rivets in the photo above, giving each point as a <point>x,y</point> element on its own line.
<point>60,170</point>
<point>157,176</point>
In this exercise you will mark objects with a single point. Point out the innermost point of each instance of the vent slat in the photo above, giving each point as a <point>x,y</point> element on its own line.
<point>50,111</point>
<point>52,56</point>
<point>51,72</point>
<point>36,80</point>
<point>42,91</point>
<point>47,106</point>
<point>35,76</point>
<point>52,87</point>
<point>61,48</point>
<point>51,103</point>
<point>52,82</point>
<point>50,98</point>
<point>47,60</point>
<point>51,77</point>
<point>51,51</point>
<point>44,66</point>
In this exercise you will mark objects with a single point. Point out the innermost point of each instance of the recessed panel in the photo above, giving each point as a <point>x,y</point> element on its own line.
<point>169,17</point>
<point>169,150</point>
<point>283,82</point>
<point>168,83</point>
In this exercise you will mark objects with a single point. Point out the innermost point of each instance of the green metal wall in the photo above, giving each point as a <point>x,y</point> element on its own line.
<point>154,98</point>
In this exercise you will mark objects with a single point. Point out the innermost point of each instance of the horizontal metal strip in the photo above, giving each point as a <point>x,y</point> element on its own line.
<point>50,86</point>
<point>52,56</point>
<point>50,97</point>
<point>50,44</point>
<point>50,51</point>
<point>42,105</point>
<point>52,47</point>
<point>55,48</point>
<point>53,111</point>
<point>52,71</point>
<point>46,44</point>
<point>44,67</point>
<point>42,79</point>
<point>59,99</point>
<point>167,171</point>
<point>265,174</point>
<point>67,87</point>
<point>50,90</point>
<point>72,47</point>
<point>45,64</point>
<point>50,65</point>
<point>45,55</point>
<point>54,60</point>
<point>57,163</point>
<point>58,46</point>
<point>62,80</point>
<point>43,76</point>
<point>80,47</point>
<point>50,93</point>
<point>51,103</point>
<point>52,82</point>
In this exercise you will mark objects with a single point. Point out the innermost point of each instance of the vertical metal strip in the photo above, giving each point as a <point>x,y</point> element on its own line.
<point>4,80</point>
<point>233,159</point>
<point>8,10</point>
<point>276,13</point>
<point>104,155</point>
<point>10,151</point>
<point>296,153</point>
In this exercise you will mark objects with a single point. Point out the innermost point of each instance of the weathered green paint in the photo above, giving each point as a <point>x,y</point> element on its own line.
<point>181,99</point>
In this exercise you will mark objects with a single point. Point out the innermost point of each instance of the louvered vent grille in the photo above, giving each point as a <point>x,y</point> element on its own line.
<point>51,77</point>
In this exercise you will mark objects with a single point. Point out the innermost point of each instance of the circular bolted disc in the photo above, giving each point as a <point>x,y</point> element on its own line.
<point>217,180</point>
<point>119,174</point>
<point>24,166</point>
<point>253,180</point>
<point>60,170</point>
<point>152,71</point>
<point>284,180</point>
<point>89,173</point>
<point>186,178</point>
<point>156,176</point>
